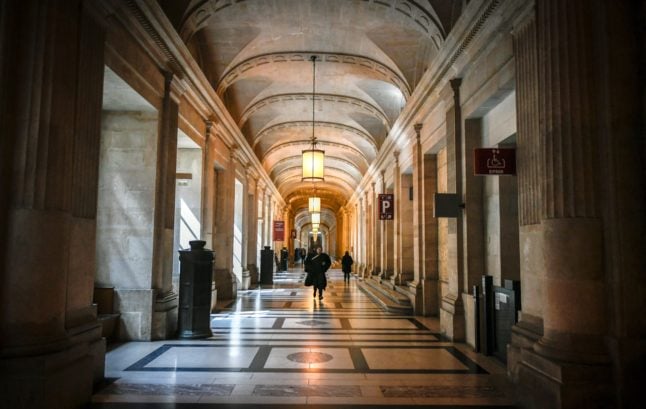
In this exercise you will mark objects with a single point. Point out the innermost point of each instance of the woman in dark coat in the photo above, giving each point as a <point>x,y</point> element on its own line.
<point>346,266</point>
<point>317,265</point>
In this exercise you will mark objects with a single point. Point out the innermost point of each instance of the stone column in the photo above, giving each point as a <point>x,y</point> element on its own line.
<point>51,350</point>
<point>529,328</point>
<point>225,280</point>
<point>473,218</point>
<point>397,241</point>
<point>570,363</point>
<point>164,321</point>
<point>369,233</point>
<point>208,185</point>
<point>418,221</point>
<point>376,229</point>
<point>431,290</point>
<point>452,323</point>
<point>244,260</point>
<point>252,230</point>
<point>361,221</point>
<point>383,243</point>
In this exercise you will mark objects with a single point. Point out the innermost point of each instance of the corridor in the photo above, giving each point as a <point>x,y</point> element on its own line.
<point>278,346</point>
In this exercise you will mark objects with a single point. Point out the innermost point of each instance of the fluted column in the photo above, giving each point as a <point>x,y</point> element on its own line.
<point>569,209</point>
<point>571,360</point>
<point>51,349</point>
<point>530,325</point>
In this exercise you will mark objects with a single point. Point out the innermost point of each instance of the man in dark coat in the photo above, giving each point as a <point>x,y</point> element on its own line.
<point>346,266</point>
<point>317,265</point>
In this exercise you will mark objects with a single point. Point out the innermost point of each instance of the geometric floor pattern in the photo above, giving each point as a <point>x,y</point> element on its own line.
<point>278,347</point>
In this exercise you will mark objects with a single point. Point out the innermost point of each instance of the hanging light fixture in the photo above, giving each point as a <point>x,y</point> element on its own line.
<point>313,157</point>
<point>316,217</point>
<point>315,226</point>
<point>315,203</point>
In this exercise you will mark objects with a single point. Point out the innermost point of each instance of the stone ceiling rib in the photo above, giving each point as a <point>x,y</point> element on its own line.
<point>355,102</point>
<point>379,70</point>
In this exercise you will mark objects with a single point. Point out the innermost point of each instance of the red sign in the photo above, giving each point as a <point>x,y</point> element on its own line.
<point>279,230</point>
<point>494,161</point>
<point>386,206</point>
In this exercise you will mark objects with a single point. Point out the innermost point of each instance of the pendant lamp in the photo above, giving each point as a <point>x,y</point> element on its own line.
<point>313,158</point>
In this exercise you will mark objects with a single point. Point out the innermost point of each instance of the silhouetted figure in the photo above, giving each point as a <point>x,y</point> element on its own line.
<point>346,266</point>
<point>317,265</point>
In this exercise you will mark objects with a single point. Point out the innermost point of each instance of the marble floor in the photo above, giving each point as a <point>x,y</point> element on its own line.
<point>277,347</point>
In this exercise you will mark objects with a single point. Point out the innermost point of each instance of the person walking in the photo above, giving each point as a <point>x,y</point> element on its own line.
<point>346,266</point>
<point>318,265</point>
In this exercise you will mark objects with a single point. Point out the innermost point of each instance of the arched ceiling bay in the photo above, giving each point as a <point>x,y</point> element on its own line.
<point>370,55</point>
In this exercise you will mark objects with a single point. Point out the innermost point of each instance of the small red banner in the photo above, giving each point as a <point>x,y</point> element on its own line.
<point>494,161</point>
<point>386,206</point>
<point>279,230</point>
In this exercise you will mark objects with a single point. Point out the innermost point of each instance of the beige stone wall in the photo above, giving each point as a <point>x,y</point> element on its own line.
<point>127,169</point>
<point>188,202</point>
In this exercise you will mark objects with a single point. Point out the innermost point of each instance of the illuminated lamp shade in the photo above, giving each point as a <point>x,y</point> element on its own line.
<point>315,204</point>
<point>315,232</point>
<point>315,225</point>
<point>313,157</point>
<point>316,218</point>
<point>313,165</point>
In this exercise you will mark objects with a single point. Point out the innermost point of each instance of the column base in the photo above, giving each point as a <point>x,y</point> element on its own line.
<point>452,322</point>
<point>164,322</point>
<point>546,383</point>
<point>62,379</point>
<point>527,331</point>
<point>225,282</point>
<point>253,272</point>
<point>245,283</point>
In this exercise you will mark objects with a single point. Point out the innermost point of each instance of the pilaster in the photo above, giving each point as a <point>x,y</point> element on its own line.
<point>452,321</point>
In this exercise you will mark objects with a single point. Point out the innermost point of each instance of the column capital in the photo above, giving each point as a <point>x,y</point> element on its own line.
<point>175,86</point>
<point>455,84</point>
<point>396,156</point>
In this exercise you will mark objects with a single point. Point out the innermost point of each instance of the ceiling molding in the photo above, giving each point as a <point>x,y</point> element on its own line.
<point>381,71</point>
<point>299,97</point>
<point>318,124</point>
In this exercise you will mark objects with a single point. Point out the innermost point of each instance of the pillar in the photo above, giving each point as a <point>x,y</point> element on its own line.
<point>164,323</point>
<point>452,323</point>
<point>397,241</point>
<point>569,365</point>
<point>225,280</point>
<point>377,233</point>
<point>252,230</point>
<point>51,88</point>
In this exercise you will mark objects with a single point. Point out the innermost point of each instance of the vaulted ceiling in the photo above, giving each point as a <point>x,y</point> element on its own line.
<point>370,55</point>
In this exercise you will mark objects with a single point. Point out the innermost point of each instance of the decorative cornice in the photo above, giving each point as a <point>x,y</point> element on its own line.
<point>318,124</point>
<point>298,97</point>
<point>383,71</point>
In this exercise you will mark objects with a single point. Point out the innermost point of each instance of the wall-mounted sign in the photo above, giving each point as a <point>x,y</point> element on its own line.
<point>279,230</point>
<point>386,206</point>
<point>494,161</point>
